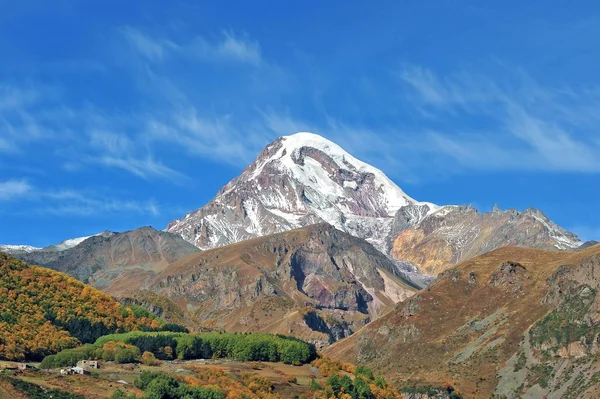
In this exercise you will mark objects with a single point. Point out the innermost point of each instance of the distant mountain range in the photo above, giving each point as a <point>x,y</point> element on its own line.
<point>66,244</point>
<point>311,242</point>
<point>109,258</point>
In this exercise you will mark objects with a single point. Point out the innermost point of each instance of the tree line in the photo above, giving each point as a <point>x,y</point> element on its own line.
<point>136,346</point>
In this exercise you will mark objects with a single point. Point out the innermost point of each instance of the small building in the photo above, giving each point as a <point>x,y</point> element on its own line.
<point>88,364</point>
<point>24,366</point>
<point>79,370</point>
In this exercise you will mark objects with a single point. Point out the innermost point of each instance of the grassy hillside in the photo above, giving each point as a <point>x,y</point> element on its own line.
<point>43,312</point>
<point>208,379</point>
<point>490,324</point>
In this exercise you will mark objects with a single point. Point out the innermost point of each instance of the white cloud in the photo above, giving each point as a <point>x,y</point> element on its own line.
<point>12,189</point>
<point>218,138</point>
<point>120,151</point>
<point>15,98</point>
<point>70,202</point>
<point>228,47</point>
<point>234,48</point>
<point>146,46</point>
<point>527,126</point>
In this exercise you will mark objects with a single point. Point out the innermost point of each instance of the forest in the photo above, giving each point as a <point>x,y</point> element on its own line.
<point>147,347</point>
<point>44,312</point>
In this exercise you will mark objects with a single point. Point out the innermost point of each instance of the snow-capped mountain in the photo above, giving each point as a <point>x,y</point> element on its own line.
<point>304,179</point>
<point>17,249</point>
<point>70,243</point>
<point>63,245</point>
<point>296,181</point>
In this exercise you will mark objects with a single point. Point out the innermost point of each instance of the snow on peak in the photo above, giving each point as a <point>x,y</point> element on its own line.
<point>70,243</point>
<point>12,249</point>
<point>299,180</point>
<point>313,174</point>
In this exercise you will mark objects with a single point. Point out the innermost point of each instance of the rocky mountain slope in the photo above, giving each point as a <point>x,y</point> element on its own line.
<point>304,178</point>
<point>114,261</point>
<point>456,233</point>
<point>317,283</point>
<point>297,181</point>
<point>517,322</point>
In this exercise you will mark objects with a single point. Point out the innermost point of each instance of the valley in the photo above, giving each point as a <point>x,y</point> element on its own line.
<point>310,244</point>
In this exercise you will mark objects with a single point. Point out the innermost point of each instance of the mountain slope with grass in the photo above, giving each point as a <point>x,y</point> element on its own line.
<point>515,321</point>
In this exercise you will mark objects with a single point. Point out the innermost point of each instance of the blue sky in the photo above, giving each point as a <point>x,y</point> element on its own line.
<point>115,114</point>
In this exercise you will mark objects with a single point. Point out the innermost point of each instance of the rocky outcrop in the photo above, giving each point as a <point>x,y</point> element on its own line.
<point>510,275</point>
<point>452,234</point>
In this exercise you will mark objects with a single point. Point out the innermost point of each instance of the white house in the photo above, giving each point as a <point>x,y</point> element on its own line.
<point>79,370</point>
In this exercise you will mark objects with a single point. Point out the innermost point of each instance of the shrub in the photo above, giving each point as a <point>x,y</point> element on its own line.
<point>149,359</point>
<point>365,372</point>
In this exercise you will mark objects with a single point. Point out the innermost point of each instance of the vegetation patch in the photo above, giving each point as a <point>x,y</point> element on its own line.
<point>567,323</point>
<point>128,347</point>
<point>34,391</point>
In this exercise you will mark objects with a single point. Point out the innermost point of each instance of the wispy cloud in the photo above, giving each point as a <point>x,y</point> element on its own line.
<point>70,202</point>
<point>153,49</point>
<point>527,126</point>
<point>120,151</point>
<point>216,137</point>
<point>227,47</point>
<point>13,189</point>
<point>241,49</point>
<point>14,98</point>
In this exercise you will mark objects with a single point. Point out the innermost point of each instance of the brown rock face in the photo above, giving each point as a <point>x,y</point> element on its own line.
<point>317,282</point>
<point>453,234</point>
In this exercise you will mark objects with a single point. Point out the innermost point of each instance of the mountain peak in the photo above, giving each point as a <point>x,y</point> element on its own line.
<point>298,180</point>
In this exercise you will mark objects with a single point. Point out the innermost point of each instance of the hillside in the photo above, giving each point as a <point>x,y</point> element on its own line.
<point>472,327</point>
<point>43,311</point>
<point>133,257</point>
<point>317,283</point>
